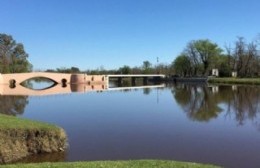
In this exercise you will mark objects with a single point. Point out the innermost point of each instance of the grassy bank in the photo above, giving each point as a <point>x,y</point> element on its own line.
<point>21,137</point>
<point>115,164</point>
<point>251,81</point>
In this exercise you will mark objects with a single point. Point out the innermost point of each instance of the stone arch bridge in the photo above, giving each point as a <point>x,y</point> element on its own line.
<point>58,78</point>
<point>10,84</point>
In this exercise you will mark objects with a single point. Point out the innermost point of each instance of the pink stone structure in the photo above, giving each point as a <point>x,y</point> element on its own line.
<point>18,78</point>
<point>65,83</point>
<point>10,84</point>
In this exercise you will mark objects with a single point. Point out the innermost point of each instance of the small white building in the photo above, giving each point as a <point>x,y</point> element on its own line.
<point>234,74</point>
<point>215,72</point>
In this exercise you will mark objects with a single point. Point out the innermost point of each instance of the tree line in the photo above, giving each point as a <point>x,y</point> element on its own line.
<point>201,56</point>
<point>198,58</point>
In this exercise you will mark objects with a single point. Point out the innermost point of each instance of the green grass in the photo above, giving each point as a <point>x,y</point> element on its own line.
<point>11,122</point>
<point>252,81</point>
<point>114,164</point>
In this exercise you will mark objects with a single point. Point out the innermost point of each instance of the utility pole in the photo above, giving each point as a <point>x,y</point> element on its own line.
<point>158,71</point>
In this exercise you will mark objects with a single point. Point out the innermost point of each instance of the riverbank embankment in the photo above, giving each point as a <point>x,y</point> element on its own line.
<point>20,138</point>
<point>251,81</point>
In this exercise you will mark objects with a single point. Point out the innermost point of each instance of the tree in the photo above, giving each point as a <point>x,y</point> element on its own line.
<point>206,51</point>
<point>75,70</point>
<point>191,53</point>
<point>147,67</point>
<point>13,58</point>
<point>222,64</point>
<point>201,55</point>
<point>163,68</point>
<point>245,58</point>
<point>136,70</point>
<point>124,70</point>
<point>67,70</point>
<point>182,65</point>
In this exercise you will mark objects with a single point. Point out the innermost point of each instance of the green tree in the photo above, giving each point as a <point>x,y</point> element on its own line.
<point>63,70</point>
<point>206,52</point>
<point>201,54</point>
<point>75,70</point>
<point>163,68</point>
<point>67,70</point>
<point>124,70</point>
<point>13,58</point>
<point>222,64</point>
<point>190,51</point>
<point>147,67</point>
<point>182,65</point>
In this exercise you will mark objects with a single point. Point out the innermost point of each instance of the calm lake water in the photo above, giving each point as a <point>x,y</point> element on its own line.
<point>216,124</point>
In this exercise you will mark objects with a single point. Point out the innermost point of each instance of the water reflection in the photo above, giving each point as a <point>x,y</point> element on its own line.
<point>244,102</point>
<point>147,91</point>
<point>38,83</point>
<point>13,105</point>
<point>152,122</point>
<point>50,157</point>
<point>198,101</point>
<point>203,102</point>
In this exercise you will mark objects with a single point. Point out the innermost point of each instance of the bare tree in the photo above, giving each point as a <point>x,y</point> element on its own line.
<point>191,52</point>
<point>246,58</point>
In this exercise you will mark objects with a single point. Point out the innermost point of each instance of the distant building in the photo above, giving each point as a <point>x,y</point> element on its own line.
<point>234,74</point>
<point>215,72</point>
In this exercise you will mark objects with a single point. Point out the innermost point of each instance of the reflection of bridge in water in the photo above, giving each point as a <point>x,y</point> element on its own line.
<point>10,84</point>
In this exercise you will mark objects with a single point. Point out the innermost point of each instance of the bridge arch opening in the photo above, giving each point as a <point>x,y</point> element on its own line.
<point>40,78</point>
<point>38,83</point>
<point>64,82</point>
<point>12,83</point>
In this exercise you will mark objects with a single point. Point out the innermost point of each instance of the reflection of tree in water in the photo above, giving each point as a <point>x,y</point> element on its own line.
<point>13,105</point>
<point>245,104</point>
<point>44,157</point>
<point>197,101</point>
<point>147,91</point>
<point>201,103</point>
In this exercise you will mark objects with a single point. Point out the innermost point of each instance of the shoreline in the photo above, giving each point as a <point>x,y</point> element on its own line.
<point>249,81</point>
<point>115,164</point>
<point>20,138</point>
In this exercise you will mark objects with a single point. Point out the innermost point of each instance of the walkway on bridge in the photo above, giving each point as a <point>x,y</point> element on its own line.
<point>136,75</point>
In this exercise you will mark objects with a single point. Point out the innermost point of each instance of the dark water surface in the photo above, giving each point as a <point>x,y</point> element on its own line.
<point>197,123</point>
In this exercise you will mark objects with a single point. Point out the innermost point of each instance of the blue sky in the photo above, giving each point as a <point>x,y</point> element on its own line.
<point>111,33</point>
